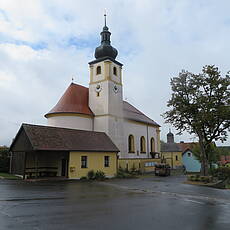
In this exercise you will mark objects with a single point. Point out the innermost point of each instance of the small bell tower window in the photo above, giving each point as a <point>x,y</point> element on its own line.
<point>98,70</point>
<point>115,70</point>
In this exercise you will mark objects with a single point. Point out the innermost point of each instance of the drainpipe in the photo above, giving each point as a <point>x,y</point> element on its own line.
<point>148,140</point>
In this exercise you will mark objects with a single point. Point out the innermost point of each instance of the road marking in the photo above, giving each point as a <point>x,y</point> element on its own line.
<point>194,201</point>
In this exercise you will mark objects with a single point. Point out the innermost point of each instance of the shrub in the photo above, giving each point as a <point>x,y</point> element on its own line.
<point>4,160</point>
<point>83,178</point>
<point>121,173</point>
<point>91,175</point>
<point>197,177</point>
<point>99,175</point>
<point>222,173</point>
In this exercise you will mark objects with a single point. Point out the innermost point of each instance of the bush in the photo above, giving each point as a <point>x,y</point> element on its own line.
<point>83,178</point>
<point>99,175</point>
<point>4,160</point>
<point>121,173</point>
<point>91,175</point>
<point>222,173</point>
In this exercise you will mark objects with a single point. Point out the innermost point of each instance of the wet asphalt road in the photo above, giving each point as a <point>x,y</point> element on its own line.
<point>149,203</point>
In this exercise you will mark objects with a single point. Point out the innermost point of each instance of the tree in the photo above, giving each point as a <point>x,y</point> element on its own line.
<point>213,154</point>
<point>200,104</point>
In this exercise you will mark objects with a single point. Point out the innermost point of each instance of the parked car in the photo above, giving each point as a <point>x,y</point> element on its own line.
<point>162,169</point>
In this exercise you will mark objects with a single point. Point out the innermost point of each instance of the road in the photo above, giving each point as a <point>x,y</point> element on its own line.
<point>147,203</point>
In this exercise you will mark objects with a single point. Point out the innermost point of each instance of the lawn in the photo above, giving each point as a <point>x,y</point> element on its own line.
<point>8,176</point>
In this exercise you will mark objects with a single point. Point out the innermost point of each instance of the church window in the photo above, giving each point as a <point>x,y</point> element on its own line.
<point>98,71</point>
<point>106,161</point>
<point>176,158</point>
<point>115,70</point>
<point>131,144</point>
<point>189,154</point>
<point>98,94</point>
<point>152,145</point>
<point>143,145</point>
<point>83,161</point>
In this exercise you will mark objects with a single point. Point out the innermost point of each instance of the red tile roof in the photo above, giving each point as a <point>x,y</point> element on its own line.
<point>74,100</point>
<point>185,146</point>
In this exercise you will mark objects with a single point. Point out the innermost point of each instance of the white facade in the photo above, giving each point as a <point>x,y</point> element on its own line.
<point>72,122</point>
<point>138,130</point>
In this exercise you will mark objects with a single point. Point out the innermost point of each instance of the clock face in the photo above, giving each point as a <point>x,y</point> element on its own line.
<point>98,88</point>
<point>115,89</point>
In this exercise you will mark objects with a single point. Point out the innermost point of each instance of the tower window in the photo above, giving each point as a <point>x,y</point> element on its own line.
<point>98,70</point>
<point>131,144</point>
<point>115,70</point>
<point>98,94</point>
<point>142,145</point>
<point>176,158</point>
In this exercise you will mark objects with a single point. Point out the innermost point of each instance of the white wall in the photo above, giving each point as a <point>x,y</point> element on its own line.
<point>137,130</point>
<point>72,122</point>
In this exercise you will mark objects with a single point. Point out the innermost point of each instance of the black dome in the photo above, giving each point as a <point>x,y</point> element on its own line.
<point>105,49</point>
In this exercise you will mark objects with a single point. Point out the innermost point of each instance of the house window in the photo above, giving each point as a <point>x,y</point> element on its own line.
<point>83,161</point>
<point>142,145</point>
<point>106,161</point>
<point>98,71</point>
<point>176,158</point>
<point>115,70</point>
<point>152,144</point>
<point>131,144</point>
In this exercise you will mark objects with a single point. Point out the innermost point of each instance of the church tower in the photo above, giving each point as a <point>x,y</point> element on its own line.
<point>105,90</point>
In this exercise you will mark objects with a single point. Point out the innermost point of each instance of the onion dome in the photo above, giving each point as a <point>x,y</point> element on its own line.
<point>74,100</point>
<point>105,49</point>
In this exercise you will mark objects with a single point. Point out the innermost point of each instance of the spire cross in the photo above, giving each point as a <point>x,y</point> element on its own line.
<point>105,16</point>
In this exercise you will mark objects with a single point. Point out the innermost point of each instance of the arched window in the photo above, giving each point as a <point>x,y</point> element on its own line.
<point>131,144</point>
<point>115,70</point>
<point>152,145</point>
<point>98,70</point>
<point>176,158</point>
<point>143,145</point>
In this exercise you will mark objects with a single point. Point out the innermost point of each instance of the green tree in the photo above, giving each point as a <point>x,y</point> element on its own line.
<point>213,154</point>
<point>200,104</point>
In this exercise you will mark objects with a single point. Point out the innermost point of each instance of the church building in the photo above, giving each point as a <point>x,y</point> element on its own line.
<point>113,132</point>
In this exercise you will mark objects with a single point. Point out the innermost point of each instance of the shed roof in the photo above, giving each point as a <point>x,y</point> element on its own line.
<point>49,138</point>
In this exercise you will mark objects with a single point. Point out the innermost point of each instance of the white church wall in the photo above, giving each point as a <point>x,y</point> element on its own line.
<point>73,122</point>
<point>138,130</point>
<point>98,101</point>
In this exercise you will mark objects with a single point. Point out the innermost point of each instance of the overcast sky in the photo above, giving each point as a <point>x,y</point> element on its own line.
<point>43,44</point>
